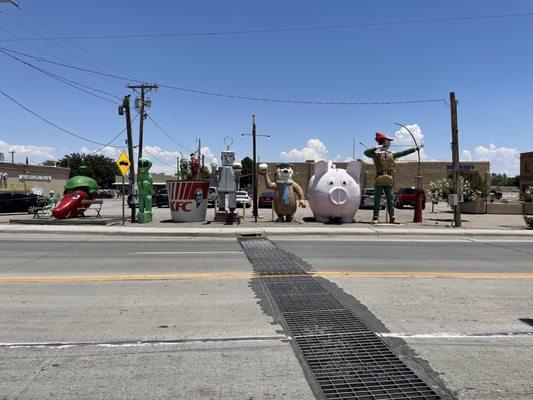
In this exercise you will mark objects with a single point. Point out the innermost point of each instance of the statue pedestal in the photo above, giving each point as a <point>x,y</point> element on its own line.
<point>227,217</point>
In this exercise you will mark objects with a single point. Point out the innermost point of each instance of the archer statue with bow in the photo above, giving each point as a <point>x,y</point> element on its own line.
<point>384,161</point>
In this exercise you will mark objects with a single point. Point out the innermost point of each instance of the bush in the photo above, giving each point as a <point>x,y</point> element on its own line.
<point>529,221</point>
<point>470,190</point>
<point>527,196</point>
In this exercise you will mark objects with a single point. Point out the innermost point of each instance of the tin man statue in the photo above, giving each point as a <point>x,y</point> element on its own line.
<point>384,161</point>
<point>228,175</point>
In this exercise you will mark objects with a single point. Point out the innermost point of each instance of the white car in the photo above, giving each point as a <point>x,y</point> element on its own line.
<point>243,198</point>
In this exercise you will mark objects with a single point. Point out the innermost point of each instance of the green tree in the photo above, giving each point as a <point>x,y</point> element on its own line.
<point>504,180</point>
<point>49,163</point>
<point>101,168</point>
<point>247,171</point>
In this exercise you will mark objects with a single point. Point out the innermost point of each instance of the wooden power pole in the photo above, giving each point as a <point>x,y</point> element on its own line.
<point>141,103</point>
<point>455,161</point>
<point>125,109</point>
<point>254,169</point>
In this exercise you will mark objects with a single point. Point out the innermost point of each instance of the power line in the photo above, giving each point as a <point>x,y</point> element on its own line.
<point>108,144</point>
<point>66,65</point>
<point>51,123</point>
<point>73,43</point>
<point>238,97</point>
<point>64,80</point>
<point>158,159</point>
<point>50,40</point>
<point>288,29</point>
<point>310,102</point>
<point>168,136</point>
<point>44,50</point>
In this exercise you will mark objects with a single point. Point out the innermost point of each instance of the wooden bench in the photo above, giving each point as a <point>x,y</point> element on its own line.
<point>87,206</point>
<point>37,211</point>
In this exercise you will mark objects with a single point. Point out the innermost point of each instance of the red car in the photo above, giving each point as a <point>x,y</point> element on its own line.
<point>407,196</point>
<point>266,199</point>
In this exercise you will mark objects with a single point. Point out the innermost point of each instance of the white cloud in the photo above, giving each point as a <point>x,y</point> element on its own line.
<point>466,155</point>
<point>403,138</point>
<point>502,159</point>
<point>34,153</point>
<point>160,153</point>
<point>315,150</point>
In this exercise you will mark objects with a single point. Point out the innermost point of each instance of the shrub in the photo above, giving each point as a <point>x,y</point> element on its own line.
<point>470,191</point>
<point>527,196</point>
<point>528,221</point>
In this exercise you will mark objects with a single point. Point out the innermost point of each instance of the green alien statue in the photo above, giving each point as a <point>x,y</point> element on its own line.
<point>184,169</point>
<point>145,190</point>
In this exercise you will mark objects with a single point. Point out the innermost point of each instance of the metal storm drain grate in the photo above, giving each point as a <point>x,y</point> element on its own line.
<point>269,259</point>
<point>346,358</point>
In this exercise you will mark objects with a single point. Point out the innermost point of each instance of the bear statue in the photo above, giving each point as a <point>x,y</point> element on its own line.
<point>286,191</point>
<point>334,193</point>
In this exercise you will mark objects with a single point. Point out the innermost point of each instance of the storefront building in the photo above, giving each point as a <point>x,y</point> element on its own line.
<point>526,171</point>
<point>25,177</point>
<point>404,177</point>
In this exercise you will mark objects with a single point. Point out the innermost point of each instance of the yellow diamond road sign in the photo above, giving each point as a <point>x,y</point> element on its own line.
<point>123,163</point>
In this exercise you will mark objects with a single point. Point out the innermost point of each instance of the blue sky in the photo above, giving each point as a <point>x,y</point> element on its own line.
<point>488,63</point>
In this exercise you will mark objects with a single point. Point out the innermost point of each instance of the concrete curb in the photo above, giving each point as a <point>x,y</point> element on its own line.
<point>269,231</point>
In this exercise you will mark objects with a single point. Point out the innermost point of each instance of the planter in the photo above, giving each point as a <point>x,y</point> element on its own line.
<point>187,200</point>
<point>505,208</point>
<point>474,207</point>
<point>528,208</point>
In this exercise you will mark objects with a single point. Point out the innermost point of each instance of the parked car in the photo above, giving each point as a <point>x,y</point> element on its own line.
<point>212,196</point>
<point>161,198</point>
<point>105,193</point>
<point>266,199</point>
<point>243,198</point>
<point>407,197</point>
<point>18,201</point>
<point>495,195</point>
<point>367,199</point>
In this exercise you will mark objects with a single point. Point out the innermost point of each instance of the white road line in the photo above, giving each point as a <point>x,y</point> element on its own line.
<point>139,343</point>
<point>184,252</point>
<point>449,335</point>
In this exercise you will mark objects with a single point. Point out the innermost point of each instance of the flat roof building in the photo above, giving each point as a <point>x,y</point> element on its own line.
<point>24,177</point>
<point>526,171</point>
<point>404,177</point>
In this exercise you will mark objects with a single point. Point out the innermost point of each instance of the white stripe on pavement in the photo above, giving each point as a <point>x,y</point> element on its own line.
<point>449,335</point>
<point>186,252</point>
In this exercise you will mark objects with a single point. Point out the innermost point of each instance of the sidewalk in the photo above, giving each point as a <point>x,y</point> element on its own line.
<point>233,231</point>
<point>436,224</point>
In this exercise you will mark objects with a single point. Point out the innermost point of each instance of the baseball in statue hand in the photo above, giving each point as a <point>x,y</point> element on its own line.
<point>263,168</point>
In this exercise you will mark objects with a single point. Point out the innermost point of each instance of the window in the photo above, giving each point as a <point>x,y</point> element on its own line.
<point>526,167</point>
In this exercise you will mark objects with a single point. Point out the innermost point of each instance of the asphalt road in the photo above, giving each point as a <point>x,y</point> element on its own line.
<point>73,311</point>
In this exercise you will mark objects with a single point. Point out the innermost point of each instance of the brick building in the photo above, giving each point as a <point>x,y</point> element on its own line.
<point>526,170</point>
<point>405,172</point>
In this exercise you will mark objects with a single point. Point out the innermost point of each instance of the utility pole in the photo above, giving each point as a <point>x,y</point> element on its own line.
<point>455,161</point>
<point>12,152</point>
<point>125,110</point>
<point>140,104</point>
<point>254,169</point>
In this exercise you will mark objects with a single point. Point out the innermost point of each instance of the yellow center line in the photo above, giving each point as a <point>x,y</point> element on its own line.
<point>248,275</point>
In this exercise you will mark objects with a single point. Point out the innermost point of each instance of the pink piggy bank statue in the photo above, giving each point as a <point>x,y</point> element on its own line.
<point>334,193</point>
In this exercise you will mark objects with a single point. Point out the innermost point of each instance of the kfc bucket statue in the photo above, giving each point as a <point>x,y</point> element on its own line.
<point>188,200</point>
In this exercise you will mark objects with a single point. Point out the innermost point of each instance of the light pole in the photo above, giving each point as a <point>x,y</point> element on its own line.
<point>254,169</point>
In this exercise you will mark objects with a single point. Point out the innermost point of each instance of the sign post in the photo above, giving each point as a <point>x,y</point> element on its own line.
<point>123,163</point>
